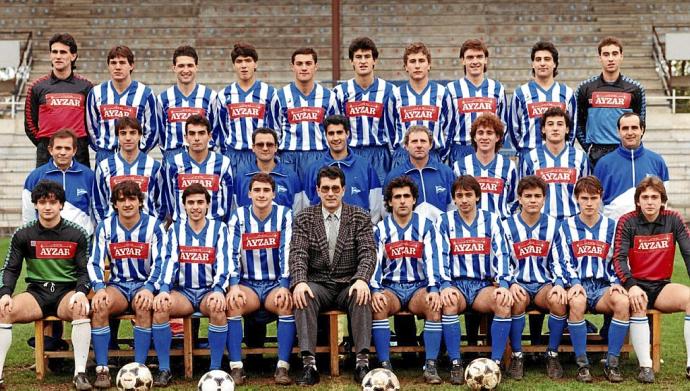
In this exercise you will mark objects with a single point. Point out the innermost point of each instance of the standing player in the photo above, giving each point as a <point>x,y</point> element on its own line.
<point>406,274</point>
<point>182,100</point>
<point>58,101</point>
<point>120,97</point>
<point>603,98</point>
<point>260,243</point>
<point>558,163</point>
<point>645,247</point>
<point>56,252</point>
<point>472,95</point>
<point>129,240</point>
<point>299,109</point>
<point>243,106</point>
<point>368,102</point>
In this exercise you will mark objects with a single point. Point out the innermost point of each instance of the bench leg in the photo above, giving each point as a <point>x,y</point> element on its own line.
<point>333,344</point>
<point>656,342</point>
<point>39,349</point>
<point>187,346</point>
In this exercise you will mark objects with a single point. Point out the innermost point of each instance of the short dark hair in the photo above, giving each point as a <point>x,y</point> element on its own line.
<point>656,184</point>
<point>127,122</point>
<point>610,41</point>
<point>67,40</point>
<point>263,178</point>
<point>489,120</point>
<point>187,51</point>
<point>125,189</point>
<point>474,44</point>
<point>63,133</point>
<point>243,49</point>
<point>399,183</point>
<point>197,119</point>
<point>531,182</point>
<point>588,184</point>
<point>556,112</point>
<point>414,48</point>
<point>264,131</point>
<point>337,119</point>
<point>550,47</point>
<point>46,188</point>
<point>466,182</point>
<point>364,44</point>
<point>630,114</point>
<point>331,172</point>
<point>195,188</point>
<point>306,51</point>
<point>121,51</point>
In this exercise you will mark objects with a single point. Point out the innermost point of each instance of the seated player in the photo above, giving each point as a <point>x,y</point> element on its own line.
<point>475,255</point>
<point>56,252</point>
<point>645,243</point>
<point>260,239</point>
<point>586,242</point>
<point>406,274</point>
<point>538,278</point>
<point>129,240</point>
<point>192,276</point>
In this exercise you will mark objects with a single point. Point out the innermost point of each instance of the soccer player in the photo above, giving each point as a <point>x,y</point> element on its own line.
<point>56,252</point>
<point>471,96</point>
<point>586,242</point>
<point>558,163</point>
<point>128,164</point>
<point>538,276</point>
<point>129,240</point>
<point>645,247</point>
<point>260,246</point>
<point>57,101</point>
<point>243,106</point>
<point>496,174</point>
<point>185,98</point>
<point>288,187</point>
<point>406,274</point>
<point>363,186</point>
<point>532,99</point>
<point>76,179</point>
<point>198,165</point>
<point>299,109</point>
<point>603,98</point>
<point>120,97</point>
<point>192,275</point>
<point>369,103</point>
<point>475,256</point>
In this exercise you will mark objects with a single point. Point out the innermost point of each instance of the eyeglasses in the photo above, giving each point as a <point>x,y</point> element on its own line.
<point>328,189</point>
<point>265,145</point>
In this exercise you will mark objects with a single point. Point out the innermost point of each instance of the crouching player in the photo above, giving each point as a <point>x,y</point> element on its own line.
<point>56,252</point>
<point>645,247</point>
<point>192,275</point>
<point>260,238</point>
<point>129,240</point>
<point>538,276</point>
<point>475,255</point>
<point>586,242</point>
<point>406,274</point>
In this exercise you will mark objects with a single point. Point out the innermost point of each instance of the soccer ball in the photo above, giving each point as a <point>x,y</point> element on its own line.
<point>216,380</point>
<point>380,379</point>
<point>134,377</point>
<point>482,374</point>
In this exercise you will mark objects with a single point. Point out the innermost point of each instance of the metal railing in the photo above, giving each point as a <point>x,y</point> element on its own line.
<point>663,68</point>
<point>15,99</point>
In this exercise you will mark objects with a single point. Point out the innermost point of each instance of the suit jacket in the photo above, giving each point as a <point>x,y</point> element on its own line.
<point>355,250</point>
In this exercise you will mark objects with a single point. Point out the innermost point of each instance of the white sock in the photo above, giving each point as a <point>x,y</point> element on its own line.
<point>639,336</point>
<point>81,340</point>
<point>283,364</point>
<point>686,333</point>
<point>5,342</point>
<point>236,364</point>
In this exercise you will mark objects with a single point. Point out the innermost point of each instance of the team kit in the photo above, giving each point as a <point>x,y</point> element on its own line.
<point>369,197</point>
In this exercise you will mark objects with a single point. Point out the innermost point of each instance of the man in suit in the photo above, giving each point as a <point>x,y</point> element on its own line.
<point>332,258</point>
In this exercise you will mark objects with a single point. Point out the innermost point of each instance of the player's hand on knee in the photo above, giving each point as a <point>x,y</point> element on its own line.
<point>560,294</point>
<point>450,297</point>
<point>617,288</point>
<point>162,302</point>
<point>283,299</point>
<point>361,289</point>
<point>299,295</point>
<point>433,301</point>
<point>576,290</point>
<point>79,304</point>
<point>379,302</point>
<point>503,297</point>
<point>216,302</point>
<point>236,298</point>
<point>6,305</point>
<point>144,300</point>
<point>100,300</point>
<point>518,292</point>
<point>638,299</point>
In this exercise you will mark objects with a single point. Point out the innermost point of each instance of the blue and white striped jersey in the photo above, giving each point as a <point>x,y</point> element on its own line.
<point>497,179</point>
<point>478,250</point>
<point>174,108</point>
<point>105,105</point>
<point>288,192</point>
<point>145,171</point>
<point>470,101</point>
<point>407,254</point>
<point>260,249</point>
<point>370,110</point>
<point>299,118</point>
<point>431,108</point>
<point>130,252</point>
<point>240,112</point>
<point>560,173</point>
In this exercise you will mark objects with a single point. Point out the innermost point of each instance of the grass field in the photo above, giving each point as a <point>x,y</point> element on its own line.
<point>19,376</point>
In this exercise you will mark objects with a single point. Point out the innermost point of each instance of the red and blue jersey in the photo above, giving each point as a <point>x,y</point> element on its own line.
<point>430,108</point>
<point>469,102</point>
<point>174,108</point>
<point>498,181</point>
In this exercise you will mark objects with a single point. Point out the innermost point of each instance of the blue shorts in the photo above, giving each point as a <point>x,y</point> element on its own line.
<point>470,288</point>
<point>128,289</point>
<point>195,296</point>
<point>532,288</point>
<point>261,288</point>
<point>300,161</point>
<point>405,290</point>
<point>239,158</point>
<point>378,156</point>
<point>595,290</point>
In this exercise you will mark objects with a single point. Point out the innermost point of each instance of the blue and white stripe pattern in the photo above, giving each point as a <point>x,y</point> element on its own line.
<point>469,102</point>
<point>431,108</point>
<point>174,108</point>
<point>498,181</point>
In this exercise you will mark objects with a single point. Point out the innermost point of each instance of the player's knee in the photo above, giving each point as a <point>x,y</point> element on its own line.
<point>578,304</point>
<point>160,317</point>
<point>451,309</point>
<point>621,307</point>
<point>501,310</point>
<point>217,317</point>
<point>433,316</point>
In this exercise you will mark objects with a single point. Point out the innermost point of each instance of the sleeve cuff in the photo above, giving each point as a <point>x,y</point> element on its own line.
<point>218,289</point>
<point>234,280</point>
<point>559,281</point>
<point>445,284</point>
<point>98,286</point>
<point>504,284</point>
<point>164,288</point>
<point>149,287</point>
<point>432,289</point>
<point>629,283</point>
<point>284,282</point>
<point>575,281</point>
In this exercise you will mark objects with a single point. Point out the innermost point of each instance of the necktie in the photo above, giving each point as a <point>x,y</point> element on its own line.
<point>332,234</point>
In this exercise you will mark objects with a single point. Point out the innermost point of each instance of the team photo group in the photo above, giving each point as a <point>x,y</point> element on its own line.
<point>371,198</point>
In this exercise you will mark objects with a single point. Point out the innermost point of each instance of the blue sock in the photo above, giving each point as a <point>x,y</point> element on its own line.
<point>142,344</point>
<point>578,337</point>
<point>162,337</point>
<point>433,331</point>
<point>500,330</point>
<point>556,325</point>
<point>451,335</point>
<point>216,341</point>
<point>381,334</point>
<point>234,340</point>
<point>100,338</point>
<point>617,332</point>
<point>517,326</point>
<point>286,336</point>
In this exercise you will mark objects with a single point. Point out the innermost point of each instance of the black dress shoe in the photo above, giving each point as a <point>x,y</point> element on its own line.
<point>309,377</point>
<point>361,371</point>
